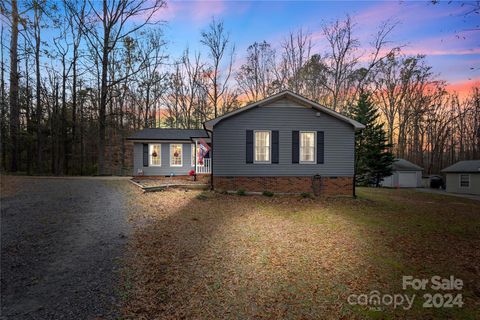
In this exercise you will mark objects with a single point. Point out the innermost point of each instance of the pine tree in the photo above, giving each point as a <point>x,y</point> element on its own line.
<point>372,155</point>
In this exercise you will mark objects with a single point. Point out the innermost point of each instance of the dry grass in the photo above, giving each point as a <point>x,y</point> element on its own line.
<point>210,256</point>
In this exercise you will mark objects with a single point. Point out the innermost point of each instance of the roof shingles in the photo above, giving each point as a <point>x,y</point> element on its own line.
<point>404,165</point>
<point>168,134</point>
<point>470,166</point>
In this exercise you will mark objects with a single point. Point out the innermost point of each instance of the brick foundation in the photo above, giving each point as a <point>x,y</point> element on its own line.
<point>328,186</point>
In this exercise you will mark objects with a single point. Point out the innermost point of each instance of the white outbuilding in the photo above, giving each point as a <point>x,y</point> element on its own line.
<point>405,174</point>
<point>463,177</point>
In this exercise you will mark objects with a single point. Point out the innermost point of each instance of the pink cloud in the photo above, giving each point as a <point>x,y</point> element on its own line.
<point>440,52</point>
<point>195,11</point>
<point>204,10</point>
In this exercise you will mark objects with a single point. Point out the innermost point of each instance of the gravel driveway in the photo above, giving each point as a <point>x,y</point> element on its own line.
<point>62,242</point>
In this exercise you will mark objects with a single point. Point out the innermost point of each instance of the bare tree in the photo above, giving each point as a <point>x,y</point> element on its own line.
<point>341,59</point>
<point>151,77</point>
<point>256,77</point>
<point>14,88</point>
<point>216,39</point>
<point>108,26</point>
<point>296,52</point>
<point>3,105</point>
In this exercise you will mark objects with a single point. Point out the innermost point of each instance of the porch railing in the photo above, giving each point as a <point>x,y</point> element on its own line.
<point>206,167</point>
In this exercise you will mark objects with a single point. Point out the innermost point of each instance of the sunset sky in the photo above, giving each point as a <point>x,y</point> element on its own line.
<point>449,38</point>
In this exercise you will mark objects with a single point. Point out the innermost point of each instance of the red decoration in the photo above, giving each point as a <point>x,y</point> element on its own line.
<point>175,154</point>
<point>191,173</point>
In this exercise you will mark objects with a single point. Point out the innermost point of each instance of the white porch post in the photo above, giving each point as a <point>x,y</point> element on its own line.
<point>196,155</point>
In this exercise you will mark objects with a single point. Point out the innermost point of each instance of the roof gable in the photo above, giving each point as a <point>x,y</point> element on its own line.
<point>404,165</point>
<point>291,96</point>
<point>471,166</point>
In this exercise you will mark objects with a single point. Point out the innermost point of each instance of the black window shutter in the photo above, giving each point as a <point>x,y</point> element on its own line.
<point>320,147</point>
<point>145,155</point>
<point>249,151</point>
<point>275,146</point>
<point>295,146</point>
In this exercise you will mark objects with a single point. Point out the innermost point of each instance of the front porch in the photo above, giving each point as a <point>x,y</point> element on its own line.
<point>203,164</point>
<point>205,167</point>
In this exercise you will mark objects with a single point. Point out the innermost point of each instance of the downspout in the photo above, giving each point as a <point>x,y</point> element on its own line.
<point>195,156</point>
<point>354,164</point>
<point>211,157</point>
<point>354,173</point>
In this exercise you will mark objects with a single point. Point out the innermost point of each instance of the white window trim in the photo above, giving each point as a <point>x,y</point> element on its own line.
<point>255,147</point>
<point>460,180</point>
<point>314,161</point>
<point>150,147</point>
<point>171,155</point>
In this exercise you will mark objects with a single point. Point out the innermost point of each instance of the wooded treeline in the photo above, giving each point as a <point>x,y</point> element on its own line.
<point>77,77</point>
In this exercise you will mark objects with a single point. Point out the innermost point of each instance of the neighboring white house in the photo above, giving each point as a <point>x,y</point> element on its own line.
<point>405,175</point>
<point>463,177</point>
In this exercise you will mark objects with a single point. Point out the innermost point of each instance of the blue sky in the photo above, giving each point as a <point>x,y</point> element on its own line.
<point>442,32</point>
<point>449,39</point>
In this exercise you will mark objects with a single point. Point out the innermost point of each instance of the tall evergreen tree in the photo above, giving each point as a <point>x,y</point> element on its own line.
<point>373,160</point>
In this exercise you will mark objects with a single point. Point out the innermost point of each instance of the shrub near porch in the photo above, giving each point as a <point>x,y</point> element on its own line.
<point>207,255</point>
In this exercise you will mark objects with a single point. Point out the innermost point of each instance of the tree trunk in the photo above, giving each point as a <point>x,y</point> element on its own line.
<point>103,93</point>
<point>38,113</point>
<point>3,109</point>
<point>14,107</point>
<point>74,106</point>
<point>63,132</point>
<point>28,117</point>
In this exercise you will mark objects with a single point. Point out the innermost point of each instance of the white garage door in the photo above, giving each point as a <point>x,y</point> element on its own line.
<point>407,179</point>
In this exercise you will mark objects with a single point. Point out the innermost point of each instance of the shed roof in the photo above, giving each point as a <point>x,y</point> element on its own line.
<point>470,166</point>
<point>405,165</point>
<point>168,134</point>
<point>292,96</point>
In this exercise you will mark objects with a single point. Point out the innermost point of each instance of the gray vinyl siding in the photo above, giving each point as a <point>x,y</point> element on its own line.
<point>165,169</point>
<point>453,183</point>
<point>229,142</point>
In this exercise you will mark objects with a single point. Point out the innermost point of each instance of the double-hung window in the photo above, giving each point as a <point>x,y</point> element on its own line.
<point>308,146</point>
<point>262,146</point>
<point>155,155</point>
<point>464,181</point>
<point>176,155</point>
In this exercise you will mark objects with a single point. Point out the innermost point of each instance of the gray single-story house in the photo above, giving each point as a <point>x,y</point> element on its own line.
<point>405,174</point>
<point>168,152</point>
<point>284,143</point>
<point>463,177</point>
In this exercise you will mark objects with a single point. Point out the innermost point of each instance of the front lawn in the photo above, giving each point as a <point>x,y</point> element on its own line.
<point>210,256</point>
